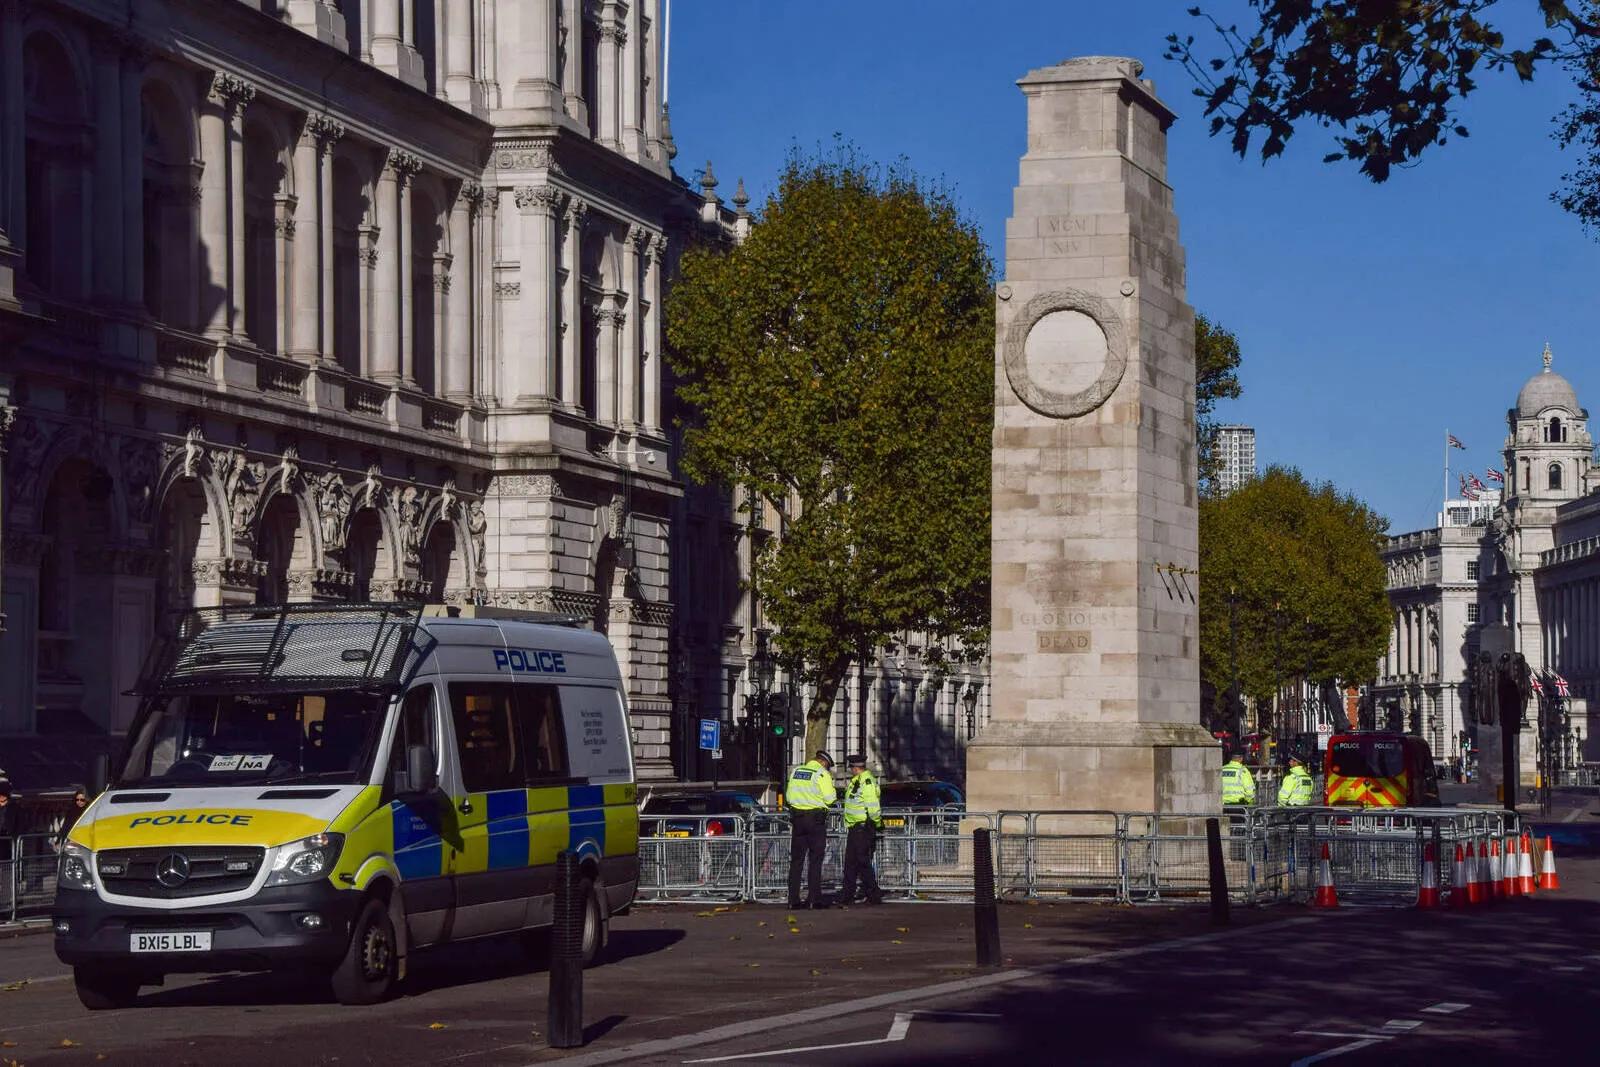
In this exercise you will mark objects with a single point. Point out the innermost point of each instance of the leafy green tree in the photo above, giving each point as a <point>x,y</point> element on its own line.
<point>840,364</point>
<point>1300,563</point>
<point>1216,366</point>
<point>1391,77</point>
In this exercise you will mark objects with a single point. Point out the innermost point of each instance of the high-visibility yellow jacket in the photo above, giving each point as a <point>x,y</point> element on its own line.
<point>811,788</point>
<point>861,801</point>
<point>1238,787</point>
<point>1295,790</point>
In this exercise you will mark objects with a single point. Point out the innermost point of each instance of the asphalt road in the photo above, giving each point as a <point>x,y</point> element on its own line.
<point>1083,983</point>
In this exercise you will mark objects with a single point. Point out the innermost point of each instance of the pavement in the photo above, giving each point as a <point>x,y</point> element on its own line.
<point>1081,983</point>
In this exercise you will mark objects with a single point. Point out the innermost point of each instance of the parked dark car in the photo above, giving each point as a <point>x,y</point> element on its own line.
<point>695,813</point>
<point>940,798</point>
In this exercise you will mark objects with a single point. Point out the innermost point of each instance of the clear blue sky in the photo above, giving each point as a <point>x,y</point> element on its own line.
<point>1371,317</point>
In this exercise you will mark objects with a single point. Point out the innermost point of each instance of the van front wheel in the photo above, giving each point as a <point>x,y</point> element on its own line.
<point>368,971</point>
<point>102,989</point>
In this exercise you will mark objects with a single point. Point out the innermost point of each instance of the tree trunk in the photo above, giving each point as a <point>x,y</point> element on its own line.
<point>821,710</point>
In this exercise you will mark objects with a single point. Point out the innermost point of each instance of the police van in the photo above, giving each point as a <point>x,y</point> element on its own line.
<point>327,787</point>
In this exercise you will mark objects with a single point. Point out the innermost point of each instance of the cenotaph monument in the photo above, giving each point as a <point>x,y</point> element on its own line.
<point>1095,699</point>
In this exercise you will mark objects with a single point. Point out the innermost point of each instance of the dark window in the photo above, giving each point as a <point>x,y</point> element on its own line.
<point>491,756</point>
<point>1472,613</point>
<point>1472,570</point>
<point>417,727</point>
<point>1555,476</point>
<point>1368,759</point>
<point>544,743</point>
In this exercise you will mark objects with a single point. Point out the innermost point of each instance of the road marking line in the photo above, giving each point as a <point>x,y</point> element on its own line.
<point>1338,1033</point>
<point>1446,1008</point>
<point>1405,1026</point>
<point>831,1012</point>
<point>897,1032</point>
<point>1567,970</point>
<point>945,1016</point>
<point>1354,1046</point>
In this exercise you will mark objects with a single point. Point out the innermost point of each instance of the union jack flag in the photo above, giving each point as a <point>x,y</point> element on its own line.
<point>1467,492</point>
<point>1538,686</point>
<point>1453,441</point>
<point>1479,486</point>
<point>1562,688</point>
<point>1494,475</point>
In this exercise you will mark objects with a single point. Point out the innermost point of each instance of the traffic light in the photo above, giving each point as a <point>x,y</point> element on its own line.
<point>778,716</point>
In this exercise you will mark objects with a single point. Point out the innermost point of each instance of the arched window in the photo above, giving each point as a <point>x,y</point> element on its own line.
<point>1555,476</point>
<point>57,148</point>
<point>1556,432</point>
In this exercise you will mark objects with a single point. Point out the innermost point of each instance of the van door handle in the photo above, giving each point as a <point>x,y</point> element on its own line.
<point>465,807</point>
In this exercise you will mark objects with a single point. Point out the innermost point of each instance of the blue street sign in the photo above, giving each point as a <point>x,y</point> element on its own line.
<point>710,734</point>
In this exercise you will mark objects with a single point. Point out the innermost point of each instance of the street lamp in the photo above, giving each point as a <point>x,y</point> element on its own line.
<point>969,701</point>
<point>761,672</point>
<point>1414,693</point>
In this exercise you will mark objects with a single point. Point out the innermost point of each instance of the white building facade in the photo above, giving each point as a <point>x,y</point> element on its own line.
<point>1236,450</point>
<point>1518,570</point>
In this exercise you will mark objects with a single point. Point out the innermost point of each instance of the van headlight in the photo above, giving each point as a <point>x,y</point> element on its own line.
<point>306,860</point>
<point>72,867</point>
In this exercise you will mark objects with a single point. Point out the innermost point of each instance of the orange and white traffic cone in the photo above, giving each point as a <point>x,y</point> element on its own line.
<point>1474,877</point>
<point>1460,880</point>
<point>1525,880</point>
<point>1547,872</point>
<point>1491,872</point>
<point>1428,893</point>
<point>1508,869</point>
<point>1325,896</point>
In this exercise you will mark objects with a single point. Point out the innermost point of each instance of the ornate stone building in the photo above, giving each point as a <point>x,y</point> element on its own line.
<point>324,300</point>
<point>318,299</point>
<point>1517,570</point>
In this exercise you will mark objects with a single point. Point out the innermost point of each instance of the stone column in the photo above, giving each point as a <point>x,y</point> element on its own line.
<point>654,253</point>
<point>488,307</point>
<point>439,289</point>
<point>572,69</point>
<point>456,380</point>
<point>107,269</point>
<point>612,36</point>
<point>237,296</point>
<point>405,168</point>
<point>222,200</point>
<point>132,138</point>
<point>1096,701</point>
<point>628,413</point>
<point>458,81</point>
<point>609,320</point>
<point>539,37</point>
<point>530,369</point>
<point>369,253</point>
<point>384,365</point>
<point>572,305</point>
<point>328,132</point>
<point>13,128</point>
<point>652,89</point>
<point>305,250</point>
<point>628,84</point>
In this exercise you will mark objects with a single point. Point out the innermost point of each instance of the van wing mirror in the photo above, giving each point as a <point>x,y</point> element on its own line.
<point>421,775</point>
<point>99,774</point>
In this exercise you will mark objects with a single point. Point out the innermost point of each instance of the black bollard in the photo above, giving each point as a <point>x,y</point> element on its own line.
<point>1219,875</point>
<point>566,956</point>
<point>985,913</point>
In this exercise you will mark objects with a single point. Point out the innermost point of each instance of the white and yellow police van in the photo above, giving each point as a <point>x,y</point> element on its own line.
<point>328,787</point>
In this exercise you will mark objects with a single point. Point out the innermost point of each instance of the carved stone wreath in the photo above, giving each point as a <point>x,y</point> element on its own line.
<point>1040,396</point>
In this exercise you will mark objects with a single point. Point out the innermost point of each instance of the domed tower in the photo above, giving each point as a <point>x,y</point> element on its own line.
<point>1547,455</point>
<point>1548,449</point>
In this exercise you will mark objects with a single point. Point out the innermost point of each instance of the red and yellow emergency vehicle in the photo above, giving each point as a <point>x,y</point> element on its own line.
<point>1372,769</point>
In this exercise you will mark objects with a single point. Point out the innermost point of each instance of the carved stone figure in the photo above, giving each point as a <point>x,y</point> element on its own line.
<point>371,487</point>
<point>244,483</point>
<point>194,450</point>
<point>477,527</point>
<point>409,509</point>
<point>333,508</point>
<point>138,459</point>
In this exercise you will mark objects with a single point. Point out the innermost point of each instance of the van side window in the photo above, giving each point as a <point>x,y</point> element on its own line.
<point>417,726</point>
<point>488,733</point>
<point>544,743</point>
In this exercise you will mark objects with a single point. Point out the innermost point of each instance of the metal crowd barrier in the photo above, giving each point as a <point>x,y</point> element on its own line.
<point>27,876</point>
<point>1269,854</point>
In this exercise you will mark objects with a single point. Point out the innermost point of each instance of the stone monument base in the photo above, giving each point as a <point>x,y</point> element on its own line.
<point>1035,766</point>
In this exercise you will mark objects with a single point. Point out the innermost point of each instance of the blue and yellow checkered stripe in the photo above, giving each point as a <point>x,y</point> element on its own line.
<point>519,828</point>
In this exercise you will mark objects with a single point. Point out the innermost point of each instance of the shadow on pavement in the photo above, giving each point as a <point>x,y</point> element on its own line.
<point>600,1028</point>
<point>627,944</point>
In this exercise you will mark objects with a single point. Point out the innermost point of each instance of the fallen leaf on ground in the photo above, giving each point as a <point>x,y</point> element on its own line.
<point>762,923</point>
<point>1027,926</point>
<point>8,1044</point>
<point>99,1055</point>
<point>897,941</point>
<point>902,929</point>
<point>722,909</point>
<point>794,929</point>
<point>752,965</point>
<point>735,937</point>
<point>704,914</point>
<point>12,987</point>
<point>67,1042</point>
<point>436,1026</point>
<point>790,919</point>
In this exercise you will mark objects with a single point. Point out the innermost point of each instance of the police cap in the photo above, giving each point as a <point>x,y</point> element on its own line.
<point>854,760</point>
<point>822,754</point>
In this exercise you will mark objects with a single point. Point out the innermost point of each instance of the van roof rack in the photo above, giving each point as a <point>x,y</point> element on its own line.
<point>484,611</point>
<point>283,647</point>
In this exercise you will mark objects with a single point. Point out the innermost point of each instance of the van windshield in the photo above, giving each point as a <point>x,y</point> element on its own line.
<point>245,739</point>
<point>1368,759</point>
